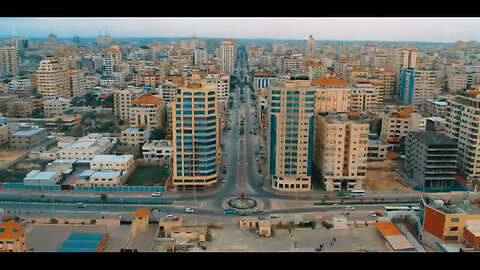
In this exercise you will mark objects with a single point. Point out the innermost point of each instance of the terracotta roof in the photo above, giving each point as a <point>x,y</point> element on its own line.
<point>147,100</point>
<point>264,74</point>
<point>392,155</point>
<point>455,62</point>
<point>141,212</point>
<point>168,137</point>
<point>387,229</point>
<point>329,81</point>
<point>11,230</point>
<point>473,92</point>
<point>377,83</point>
<point>142,125</point>
<point>102,96</point>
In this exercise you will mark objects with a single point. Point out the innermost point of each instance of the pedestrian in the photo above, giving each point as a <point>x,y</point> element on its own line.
<point>331,243</point>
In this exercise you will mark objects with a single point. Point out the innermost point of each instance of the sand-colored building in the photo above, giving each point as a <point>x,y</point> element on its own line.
<point>12,237</point>
<point>332,95</point>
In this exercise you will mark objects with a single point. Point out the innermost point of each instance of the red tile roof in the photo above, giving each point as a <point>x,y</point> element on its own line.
<point>329,81</point>
<point>147,100</point>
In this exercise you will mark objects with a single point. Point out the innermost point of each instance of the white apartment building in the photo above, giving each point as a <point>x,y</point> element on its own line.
<point>9,62</point>
<point>55,107</point>
<point>85,147</point>
<point>111,58</point>
<point>417,85</point>
<point>134,136</point>
<point>227,56</point>
<point>363,99</point>
<point>123,163</point>
<point>157,150</point>
<point>199,57</point>
<point>341,151</point>
<point>77,83</point>
<point>457,82</point>
<point>122,101</point>
<point>397,125</point>
<point>463,118</point>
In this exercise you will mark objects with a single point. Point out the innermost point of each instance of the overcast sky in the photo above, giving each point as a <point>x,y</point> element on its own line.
<point>379,29</point>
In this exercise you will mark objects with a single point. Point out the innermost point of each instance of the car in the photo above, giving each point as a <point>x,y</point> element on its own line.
<point>378,214</point>
<point>230,211</point>
<point>336,205</point>
<point>371,214</point>
<point>326,196</point>
<point>255,210</point>
<point>254,133</point>
<point>349,208</point>
<point>257,158</point>
<point>225,165</point>
<point>223,180</point>
<point>224,171</point>
<point>259,170</point>
<point>156,194</point>
<point>256,152</point>
<point>251,132</point>
<point>170,215</point>
<point>188,210</point>
<point>340,194</point>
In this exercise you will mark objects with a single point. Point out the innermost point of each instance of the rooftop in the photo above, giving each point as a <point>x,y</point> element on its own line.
<point>105,174</point>
<point>463,203</point>
<point>11,230</point>
<point>147,100</point>
<point>28,132</point>
<point>39,175</point>
<point>329,81</point>
<point>111,158</point>
<point>432,138</point>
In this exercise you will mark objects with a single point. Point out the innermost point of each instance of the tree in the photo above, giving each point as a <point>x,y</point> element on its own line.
<point>103,197</point>
<point>158,134</point>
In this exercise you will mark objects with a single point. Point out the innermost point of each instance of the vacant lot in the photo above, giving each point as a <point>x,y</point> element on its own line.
<point>7,157</point>
<point>149,176</point>
<point>382,176</point>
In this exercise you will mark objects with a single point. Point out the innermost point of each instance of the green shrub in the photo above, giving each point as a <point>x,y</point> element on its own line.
<point>327,225</point>
<point>93,221</point>
<point>53,221</point>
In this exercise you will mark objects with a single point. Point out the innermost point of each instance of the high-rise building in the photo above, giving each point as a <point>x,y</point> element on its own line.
<point>332,95</point>
<point>20,43</point>
<point>404,57</point>
<point>290,134</point>
<point>196,138</point>
<point>341,151</point>
<point>9,62</point>
<point>227,56</point>
<point>417,86</point>
<point>76,40</point>
<point>430,160</point>
<point>52,39</point>
<point>104,40</point>
<point>77,82</point>
<point>261,80</point>
<point>111,61</point>
<point>200,57</point>
<point>463,116</point>
<point>122,101</point>
<point>53,80</point>
<point>310,45</point>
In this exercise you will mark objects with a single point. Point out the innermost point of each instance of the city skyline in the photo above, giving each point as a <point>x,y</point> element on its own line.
<point>441,30</point>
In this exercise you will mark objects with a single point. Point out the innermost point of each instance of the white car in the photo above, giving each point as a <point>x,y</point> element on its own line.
<point>371,214</point>
<point>170,215</point>
<point>223,181</point>
<point>336,205</point>
<point>349,208</point>
<point>157,194</point>
<point>188,210</point>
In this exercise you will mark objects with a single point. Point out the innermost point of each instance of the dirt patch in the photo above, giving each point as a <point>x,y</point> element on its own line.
<point>382,176</point>
<point>9,156</point>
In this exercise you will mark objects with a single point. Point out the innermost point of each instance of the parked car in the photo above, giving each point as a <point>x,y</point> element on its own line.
<point>156,194</point>
<point>170,215</point>
<point>230,211</point>
<point>378,214</point>
<point>223,180</point>
<point>348,207</point>
<point>336,205</point>
<point>371,214</point>
<point>188,210</point>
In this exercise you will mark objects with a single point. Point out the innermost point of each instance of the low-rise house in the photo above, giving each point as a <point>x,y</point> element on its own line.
<point>135,136</point>
<point>37,177</point>
<point>28,137</point>
<point>156,150</point>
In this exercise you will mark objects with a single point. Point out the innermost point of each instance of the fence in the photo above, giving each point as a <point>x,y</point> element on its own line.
<point>99,189</point>
<point>441,190</point>
<point>31,187</point>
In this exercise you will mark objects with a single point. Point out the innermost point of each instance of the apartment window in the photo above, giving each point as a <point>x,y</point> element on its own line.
<point>454,219</point>
<point>453,229</point>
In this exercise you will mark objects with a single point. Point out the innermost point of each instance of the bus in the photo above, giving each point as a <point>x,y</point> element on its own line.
<point>357,192</point>
<point>396,208</point>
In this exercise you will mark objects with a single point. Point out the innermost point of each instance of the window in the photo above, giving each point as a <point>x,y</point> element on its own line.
<point>454,220</point>
<point>453,229</point>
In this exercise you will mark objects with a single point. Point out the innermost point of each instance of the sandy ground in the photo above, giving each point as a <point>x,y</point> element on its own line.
<point>9,156</point>
<point>381,176</point>
<point>49,238</point>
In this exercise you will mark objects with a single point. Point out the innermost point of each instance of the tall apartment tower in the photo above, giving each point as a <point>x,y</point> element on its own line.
<point>463,118</point>
<point>310,45</point>
<point>53,80</point>
<point>9,62</point>
<point>122,101</point>
<point>332,95</point>
<point>404,57</point>
<point>227,56</point>
<point>52,39</point>
<point>104,40</point>
<point>196,137</point>
<point>290,134</point>
<point>341,151</point>
<point>111,58</point>
<point>417,86</point>
<point>77,82</point>
<point>200,56</point>
<point>20,43</point>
